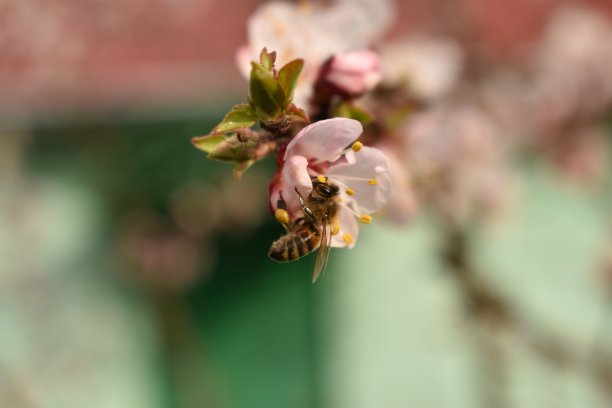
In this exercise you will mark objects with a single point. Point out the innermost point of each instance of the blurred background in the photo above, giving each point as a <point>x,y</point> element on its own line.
<point>134,271</point>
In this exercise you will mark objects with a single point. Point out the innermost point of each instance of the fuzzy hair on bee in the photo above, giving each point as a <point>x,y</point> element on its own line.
<point>312,231</point>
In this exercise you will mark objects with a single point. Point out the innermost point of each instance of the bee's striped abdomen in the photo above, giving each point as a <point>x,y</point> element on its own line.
<point>295,244</point>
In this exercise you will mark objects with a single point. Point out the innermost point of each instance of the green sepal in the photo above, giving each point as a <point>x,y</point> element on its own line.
<point>242,167</point>
<point>233,150</point>
<point>208,143</point>
<point>228,149</point>
<point>267,59</point>
<point>266,95</point>
<point>288,77</point>
<point>297,114</point>
<point>241,116</point>
<point>350,111</point>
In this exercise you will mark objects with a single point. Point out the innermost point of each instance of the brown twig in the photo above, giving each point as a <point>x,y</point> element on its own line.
<point>486,308</point>
<point>489,307</point>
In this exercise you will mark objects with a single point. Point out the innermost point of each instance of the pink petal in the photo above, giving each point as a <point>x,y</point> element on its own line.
<point>355,72</point>
<point>356,62</point>
<point>355,84</point>
<point>325,140</point>
<point>357,174</point>
<point>274,191</point>
<point>295,174</point>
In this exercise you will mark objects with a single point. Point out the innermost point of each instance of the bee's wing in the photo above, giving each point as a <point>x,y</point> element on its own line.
<point>323,253</point>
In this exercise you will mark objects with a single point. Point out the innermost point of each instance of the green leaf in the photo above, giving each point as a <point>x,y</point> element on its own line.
<point>266,59</point>
<point>230,150</point>
<point>241,116</point>
<point>265,93</point>
<point>347,110</point>
<point>233,150</point>
<point>288,77</point>
<point>208,143</point>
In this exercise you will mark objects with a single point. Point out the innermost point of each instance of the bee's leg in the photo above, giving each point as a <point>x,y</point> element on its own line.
<point>284,218</point>
<point>307,211</point>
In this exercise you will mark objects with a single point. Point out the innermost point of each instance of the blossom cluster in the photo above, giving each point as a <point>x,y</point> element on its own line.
<point>413,122</point>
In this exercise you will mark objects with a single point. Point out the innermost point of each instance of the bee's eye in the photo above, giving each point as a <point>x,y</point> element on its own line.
<point>326,191</point>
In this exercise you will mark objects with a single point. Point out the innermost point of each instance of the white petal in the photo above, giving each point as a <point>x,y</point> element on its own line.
<point>348,228</point>
<point>359,173</point>
<point>325,140</point>
<point>347,201</point>
<point>295,174</point>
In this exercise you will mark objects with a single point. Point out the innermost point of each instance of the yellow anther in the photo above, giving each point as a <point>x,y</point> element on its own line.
<point>350,191</point>
<point>281,216</point>
<point>340,200</point>
<point>335,229</point>
<point>321,178</point>
<point>366,219</point>
<point>357,146</point>
<point>372,182</point>
<point>348,238</point>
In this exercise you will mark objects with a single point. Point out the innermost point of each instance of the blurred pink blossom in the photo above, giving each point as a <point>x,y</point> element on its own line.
<point>426,68</point>
<point>456,155</point>
<point>402,205</point>
<point>572,80</point>
<point>313,33</point>
<point>352,73</point>
<point>558,101</point>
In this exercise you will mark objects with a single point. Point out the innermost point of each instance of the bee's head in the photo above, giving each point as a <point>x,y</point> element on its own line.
<point>324,188</point>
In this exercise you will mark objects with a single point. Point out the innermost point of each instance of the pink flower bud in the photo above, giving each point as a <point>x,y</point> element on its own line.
<point>352,73</point>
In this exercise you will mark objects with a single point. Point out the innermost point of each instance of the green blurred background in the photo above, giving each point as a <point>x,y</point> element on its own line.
<point>233,326</point>
<point>134,271</point>
<point>207,320</point>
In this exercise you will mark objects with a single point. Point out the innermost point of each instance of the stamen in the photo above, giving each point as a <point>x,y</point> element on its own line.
<point>281,216</point>
<point>366,219</point>
<point>321,178</point>
<point>350,191</point>
<point>340,200</point>
<point>372,182</point>
<point>357,146</point>
<point>335,229</point>
<point>348,238</point>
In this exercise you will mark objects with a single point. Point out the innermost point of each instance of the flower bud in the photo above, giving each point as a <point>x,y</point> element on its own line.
<point>352,73</point>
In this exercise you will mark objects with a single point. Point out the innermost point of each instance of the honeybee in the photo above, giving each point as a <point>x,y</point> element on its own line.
<point>312,231</point>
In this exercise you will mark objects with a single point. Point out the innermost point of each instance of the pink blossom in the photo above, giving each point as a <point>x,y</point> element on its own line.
<point>313,33</point>
<point>427,68</point>
<point>352,73</point>
<point>457,157</point>
<point>328,148</point>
